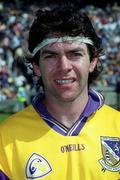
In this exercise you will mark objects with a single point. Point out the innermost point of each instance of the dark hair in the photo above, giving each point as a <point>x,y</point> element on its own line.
<point>67,20</point>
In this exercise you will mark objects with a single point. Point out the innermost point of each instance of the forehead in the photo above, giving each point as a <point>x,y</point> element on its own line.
<point>68,45</point>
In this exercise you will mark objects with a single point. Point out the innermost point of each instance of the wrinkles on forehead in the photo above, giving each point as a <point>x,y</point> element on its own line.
<point>64,47</point>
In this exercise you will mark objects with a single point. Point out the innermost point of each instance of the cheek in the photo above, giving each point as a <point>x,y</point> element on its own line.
<point>52,66</point>
<point>82,67</point>
<point>47,69</point>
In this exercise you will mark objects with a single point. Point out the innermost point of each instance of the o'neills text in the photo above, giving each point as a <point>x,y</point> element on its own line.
<point>72,147</point>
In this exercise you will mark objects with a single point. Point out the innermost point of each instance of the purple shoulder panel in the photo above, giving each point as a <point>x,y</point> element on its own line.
<point>3,176</point>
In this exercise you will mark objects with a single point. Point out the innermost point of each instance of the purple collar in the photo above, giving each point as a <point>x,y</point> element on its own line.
<point>95,101</point>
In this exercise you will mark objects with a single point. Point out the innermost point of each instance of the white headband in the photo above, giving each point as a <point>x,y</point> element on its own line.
<point>47,41</point>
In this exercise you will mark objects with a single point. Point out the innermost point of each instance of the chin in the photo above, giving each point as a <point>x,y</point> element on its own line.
<point>68,98</point>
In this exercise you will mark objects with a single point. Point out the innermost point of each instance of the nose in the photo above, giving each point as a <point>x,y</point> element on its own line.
<point>64,64</point>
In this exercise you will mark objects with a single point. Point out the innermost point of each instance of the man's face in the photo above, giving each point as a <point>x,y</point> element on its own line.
<point>64,68</point>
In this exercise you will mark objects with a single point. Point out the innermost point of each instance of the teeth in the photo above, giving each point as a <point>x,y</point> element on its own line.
<point>64,81</point>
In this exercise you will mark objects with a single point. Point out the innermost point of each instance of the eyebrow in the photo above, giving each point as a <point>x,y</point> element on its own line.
<point>70,50</point>
<point>48,52</point>
<point>77,49</point>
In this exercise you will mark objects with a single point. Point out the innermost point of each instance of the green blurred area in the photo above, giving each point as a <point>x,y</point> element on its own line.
<point>4,116</point>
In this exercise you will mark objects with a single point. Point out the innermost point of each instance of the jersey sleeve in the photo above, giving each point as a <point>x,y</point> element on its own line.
<point>3,163</point>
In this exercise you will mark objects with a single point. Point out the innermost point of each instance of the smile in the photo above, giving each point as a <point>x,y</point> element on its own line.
<point>64,81</point>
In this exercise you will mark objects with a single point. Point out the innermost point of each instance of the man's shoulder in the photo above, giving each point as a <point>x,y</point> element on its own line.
<point>26,114</point>
<point>109,111</point>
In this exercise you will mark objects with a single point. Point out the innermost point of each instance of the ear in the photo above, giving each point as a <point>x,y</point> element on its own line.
<point>36,69</point>
<point>93,64</point>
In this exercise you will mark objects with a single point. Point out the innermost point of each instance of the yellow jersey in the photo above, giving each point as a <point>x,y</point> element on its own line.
<point>32,148</point>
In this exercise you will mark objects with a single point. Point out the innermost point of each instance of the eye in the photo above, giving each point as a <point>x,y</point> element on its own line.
<point>75,55</point>
<point>48,56</point>
<point>78,54</point>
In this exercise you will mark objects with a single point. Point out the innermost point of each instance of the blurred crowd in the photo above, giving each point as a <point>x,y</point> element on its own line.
<point>16,81</point>
<point>107,24</point>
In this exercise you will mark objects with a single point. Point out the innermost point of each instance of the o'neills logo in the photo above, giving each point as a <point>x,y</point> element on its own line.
<point>72,147</point>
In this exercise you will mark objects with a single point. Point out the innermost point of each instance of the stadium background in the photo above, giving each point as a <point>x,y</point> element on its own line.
<point>17,88</point>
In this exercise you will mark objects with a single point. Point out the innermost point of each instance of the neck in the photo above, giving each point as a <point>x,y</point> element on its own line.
<point>66,113</point>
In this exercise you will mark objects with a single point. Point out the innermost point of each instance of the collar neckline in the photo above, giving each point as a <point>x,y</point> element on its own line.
<point>95,101</point>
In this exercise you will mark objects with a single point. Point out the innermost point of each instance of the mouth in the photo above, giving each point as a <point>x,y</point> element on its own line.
<point>64,81</point>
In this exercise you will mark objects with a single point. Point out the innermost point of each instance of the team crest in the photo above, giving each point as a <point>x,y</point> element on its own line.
<point>111,154</point>
<point>37,167</point>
